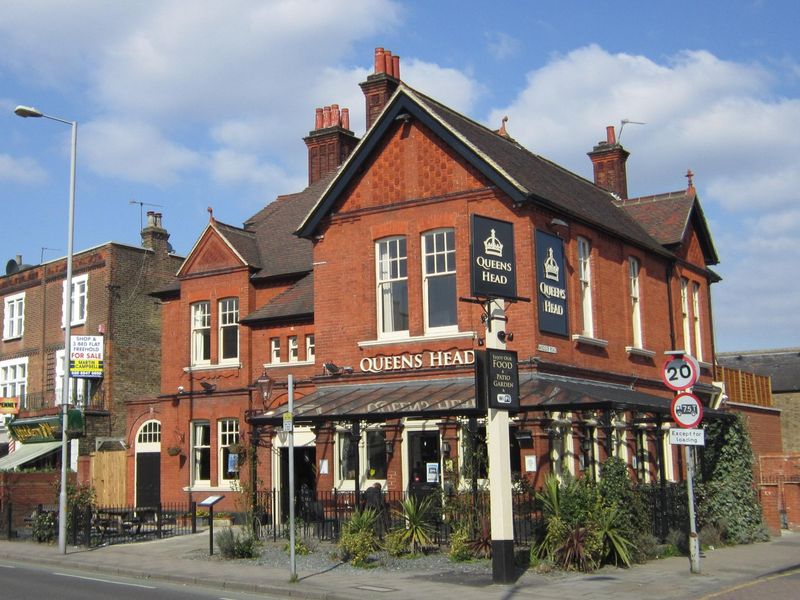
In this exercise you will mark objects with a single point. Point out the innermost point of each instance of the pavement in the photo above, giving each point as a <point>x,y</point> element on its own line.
<point>186,560</point>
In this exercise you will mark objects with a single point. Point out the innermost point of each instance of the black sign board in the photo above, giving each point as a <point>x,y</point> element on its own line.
<point>497,379</point>
<point>551,285</point>
<point>494,270</point>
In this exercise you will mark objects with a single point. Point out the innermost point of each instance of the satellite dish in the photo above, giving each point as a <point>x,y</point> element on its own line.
<point>12,266</point>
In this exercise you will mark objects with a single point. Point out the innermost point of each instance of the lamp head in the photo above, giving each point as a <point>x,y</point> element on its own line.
<point>27,111</point>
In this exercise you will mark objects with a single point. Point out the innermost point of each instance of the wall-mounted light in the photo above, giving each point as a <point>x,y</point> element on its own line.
<point>389,447</point>
<point>331,368</point>
<point>446,448</point>
<point>264,384</point>
<point>524,438</point>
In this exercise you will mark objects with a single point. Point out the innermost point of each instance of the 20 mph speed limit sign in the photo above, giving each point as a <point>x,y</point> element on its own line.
<point>681,373</point>
<point>687,411</point>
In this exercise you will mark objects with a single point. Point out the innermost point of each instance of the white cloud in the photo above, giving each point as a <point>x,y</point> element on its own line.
<point>719,118</point>
<point>501,45</point>
<point>20,170</point>
<point>448,86</point>
<point>135,151</point>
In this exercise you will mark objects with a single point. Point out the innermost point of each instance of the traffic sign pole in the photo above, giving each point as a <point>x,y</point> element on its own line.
<point>680,373</point>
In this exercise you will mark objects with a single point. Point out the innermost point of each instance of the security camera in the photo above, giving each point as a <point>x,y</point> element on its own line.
<point>180,389</point>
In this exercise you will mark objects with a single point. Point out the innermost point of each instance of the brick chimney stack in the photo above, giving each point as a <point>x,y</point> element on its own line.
<point>380,86</point>
<point>608,159</point>
<point>154,236</point>
<point>331,141</point>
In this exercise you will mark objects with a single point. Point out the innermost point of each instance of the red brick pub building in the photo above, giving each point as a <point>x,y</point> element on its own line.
<point>353,287</point>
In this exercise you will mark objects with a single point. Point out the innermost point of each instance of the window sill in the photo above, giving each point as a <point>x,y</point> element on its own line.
<point>206,487</point>
<point>454,335</point>
<point>639,352</point>
<point>13,338</point>
<point>589,341</point>
<point>210,367</point>
<point>297,363</point>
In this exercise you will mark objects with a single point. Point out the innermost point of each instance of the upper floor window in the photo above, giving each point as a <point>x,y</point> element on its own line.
<point>585,276</point>
<point>14,379</point>
<point>275,350</point>
<point>228,329</point>
<point>636,311</point>
<point>201,333</point>
<point>150,433</point>
<point>14,316</point>
<point>310,348</point>
<point>228,449</point>
<point>687,335</point>
<point>392,277</point>
<point>80,286</point>
<point>698,339</point>
<point>294,349</point>
<point>439,279</point>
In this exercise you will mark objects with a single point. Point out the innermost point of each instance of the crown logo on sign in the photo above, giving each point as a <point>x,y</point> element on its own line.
<point>493,246</point>
<point>550,266</point>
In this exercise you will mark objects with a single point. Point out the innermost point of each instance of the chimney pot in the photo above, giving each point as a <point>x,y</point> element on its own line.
<point>396,66</point>
<point>336,119</point>
<point>151,218</point>
<point>380,65</point>
<point>611,137</point>
<point>346,118</point>
<point>19,259</point>
<point>387,57</point>
<point>318,119</point>
<point>326,116</point>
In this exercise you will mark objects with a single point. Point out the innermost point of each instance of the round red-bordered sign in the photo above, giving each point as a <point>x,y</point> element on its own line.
<point>687,410</point>
<point>680,372</point>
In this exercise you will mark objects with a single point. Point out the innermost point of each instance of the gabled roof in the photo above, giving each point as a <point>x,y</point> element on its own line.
<point>239,241</point>
<point>524,176</point>
<point>782,365</point>
<point>295,302</point>
<point>667,218</point>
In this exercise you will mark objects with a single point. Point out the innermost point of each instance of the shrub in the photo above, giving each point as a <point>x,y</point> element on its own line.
<point>418,526</point>
<point>459,546</point>
<point>481,545</point>
<point>615,541</point>
<point>678,540</point>
<point>580,549</point>
<point>358,539</point>
<point>395,544</point>
<point>647,547</point>
<point>237,545</point>
<point>45,526</point>
<point>712,535</point>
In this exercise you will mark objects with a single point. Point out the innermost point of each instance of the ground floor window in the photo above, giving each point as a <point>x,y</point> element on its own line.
<point>201,452</point>
<point>229,449</point>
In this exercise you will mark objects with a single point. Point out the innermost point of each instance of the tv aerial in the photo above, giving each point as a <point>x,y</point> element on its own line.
<point>141,210</point>
<point>625,122</point>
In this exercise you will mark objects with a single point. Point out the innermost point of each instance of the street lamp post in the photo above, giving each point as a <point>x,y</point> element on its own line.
<point>25,112</point>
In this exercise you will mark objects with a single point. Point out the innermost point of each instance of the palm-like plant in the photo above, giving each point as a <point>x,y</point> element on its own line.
<point>615,544</point>
<point>418,527</point>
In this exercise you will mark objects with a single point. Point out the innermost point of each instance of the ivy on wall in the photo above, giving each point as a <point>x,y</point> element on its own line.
<point>726,496</point>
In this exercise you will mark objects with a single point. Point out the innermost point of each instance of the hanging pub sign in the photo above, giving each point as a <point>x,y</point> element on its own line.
<point>494,270</point>
<point>497,379</point>
<point>86,356</point>
<point>551,286</point>
<point>38,430</point>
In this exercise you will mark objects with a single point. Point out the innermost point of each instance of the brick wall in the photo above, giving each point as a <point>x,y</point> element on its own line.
<point>779,490</point>
<point>789,405</point>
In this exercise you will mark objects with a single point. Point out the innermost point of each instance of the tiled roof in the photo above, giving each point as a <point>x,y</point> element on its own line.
<point>282,252</point>
<point>664,216</point>
<point>297,301</point>
<point>542,180</point>
<point>243,241</point>
<point>782,365</point>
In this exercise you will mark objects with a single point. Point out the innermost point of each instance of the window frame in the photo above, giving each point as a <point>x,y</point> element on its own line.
<point>585,283</point>
<point>275,350</point>
<point>226,439</point>
<point>448,253</point>
<point>224,323</point>
<point>698,337</point>
<point>634,278</point>
<point>80,388</point>
<point>293,349</point>
<point>389,287</point>
<point>14,316</point>
<point>200,452</point>
<point>687,334</point>
<point>17,384</point>
<point>80,301</point>
<point>311,349</point>
<point>200,333</point>
<point>362,448</point>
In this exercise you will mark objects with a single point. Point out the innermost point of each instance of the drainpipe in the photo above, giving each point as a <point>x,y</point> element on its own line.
<point>670,271</point>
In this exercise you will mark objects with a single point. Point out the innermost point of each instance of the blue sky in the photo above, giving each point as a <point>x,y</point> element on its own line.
<point>191,104</point>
